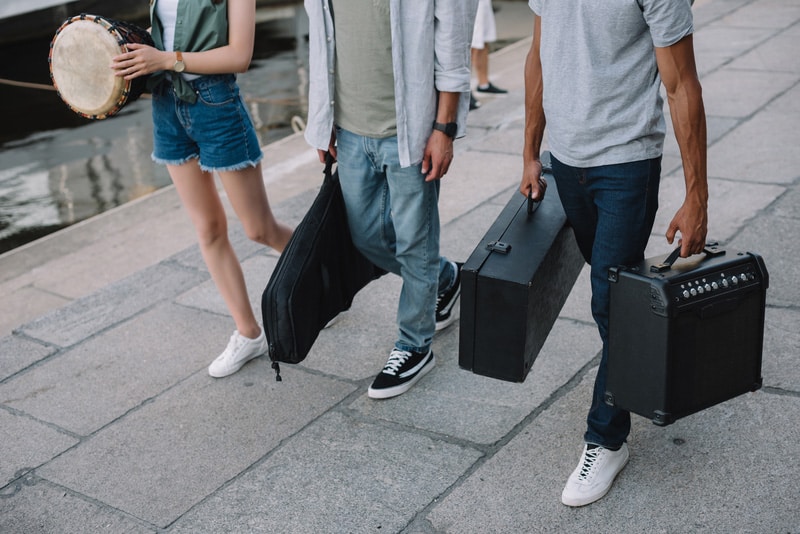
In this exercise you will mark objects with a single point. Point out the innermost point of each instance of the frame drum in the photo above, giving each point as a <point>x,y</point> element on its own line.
<point>80,59</point>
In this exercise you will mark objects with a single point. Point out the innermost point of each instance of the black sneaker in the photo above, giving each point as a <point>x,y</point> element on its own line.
<point>446,302</point>
<point>473,103</point>
<point>491,89</point>
<point>402,370</point>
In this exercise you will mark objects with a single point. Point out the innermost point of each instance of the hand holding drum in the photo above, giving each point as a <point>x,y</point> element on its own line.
<point>81,54</point>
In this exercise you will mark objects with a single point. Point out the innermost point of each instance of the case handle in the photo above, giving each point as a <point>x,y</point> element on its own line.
<point>711,250</point>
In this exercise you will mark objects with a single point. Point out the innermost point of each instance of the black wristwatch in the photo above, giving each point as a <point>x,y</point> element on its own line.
<point>450,129</point>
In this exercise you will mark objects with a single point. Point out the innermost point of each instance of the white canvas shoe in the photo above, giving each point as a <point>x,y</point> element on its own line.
<point>239,351</point>
<point>594,475</point>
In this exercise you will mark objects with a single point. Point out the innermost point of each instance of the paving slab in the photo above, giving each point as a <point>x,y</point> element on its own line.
<point>17,353</point>
<point>27,303</point>
<point>111,305</point>
<point>663,489</point>
<point>781,349</point>
<point>84,389</point>
<point>473,178</point>
<point>779,256</point>
<point>788,205</point>
<point>770,140</point>
<point>173,452</point>
<point>205,296</point>
<point>340,474</point>
<point>740,93</point>
<point>772,14</point>
<point>776,54</point>
<point>718,44</point>
<point>36,505</point>
<point>27,444</point>
<point>732,205</point>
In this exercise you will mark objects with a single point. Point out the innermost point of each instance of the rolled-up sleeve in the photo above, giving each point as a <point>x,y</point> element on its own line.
<point>321,72</point>
<point>454,23</point>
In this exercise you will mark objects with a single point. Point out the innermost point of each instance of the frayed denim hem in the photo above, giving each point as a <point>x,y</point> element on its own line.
<point>237,167</point>
<point>175,162</point>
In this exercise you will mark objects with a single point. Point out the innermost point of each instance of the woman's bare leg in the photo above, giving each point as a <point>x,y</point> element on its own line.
<point>199,196</point>
<point>245,189</point>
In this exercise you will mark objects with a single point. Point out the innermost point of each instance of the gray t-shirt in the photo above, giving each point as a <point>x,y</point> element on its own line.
<point>602,98</point>
<point>364,87</point>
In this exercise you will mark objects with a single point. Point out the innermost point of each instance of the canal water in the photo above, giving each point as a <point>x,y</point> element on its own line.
<point>57,169</point>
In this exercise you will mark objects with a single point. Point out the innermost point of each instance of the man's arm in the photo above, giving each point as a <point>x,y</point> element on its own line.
<point>534,120</point>
<point>453,24</point>
<point>439,150</point>
<point>679,74</point>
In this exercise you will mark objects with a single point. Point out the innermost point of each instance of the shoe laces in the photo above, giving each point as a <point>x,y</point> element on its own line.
<point>396,360</point>
<point>236,342</point>
<point>590,458</point>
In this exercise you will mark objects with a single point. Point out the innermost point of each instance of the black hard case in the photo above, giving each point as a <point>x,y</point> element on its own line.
<point>685,337</point>
<point>514,285</point>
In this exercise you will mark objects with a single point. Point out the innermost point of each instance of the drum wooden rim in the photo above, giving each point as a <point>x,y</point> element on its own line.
<point>80,57</point>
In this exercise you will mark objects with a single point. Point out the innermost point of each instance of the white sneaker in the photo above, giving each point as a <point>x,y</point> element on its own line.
<point>594,475</point>
<point>239,351</point>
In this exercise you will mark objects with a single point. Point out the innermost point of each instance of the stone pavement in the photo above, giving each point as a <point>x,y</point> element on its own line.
<point>109,422</point>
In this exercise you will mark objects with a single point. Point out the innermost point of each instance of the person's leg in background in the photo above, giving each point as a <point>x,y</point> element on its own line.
<point>485,32</point>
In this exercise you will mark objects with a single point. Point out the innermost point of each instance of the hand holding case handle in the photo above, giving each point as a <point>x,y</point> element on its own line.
<point>711,250</point>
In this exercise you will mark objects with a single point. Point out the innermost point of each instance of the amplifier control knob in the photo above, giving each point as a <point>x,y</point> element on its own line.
<point>686,294</point>
<point>714,285</point>
<point>700,290</point>
<point>735,280</point>
<point>724,282</point>
<point>708,287</point>
<point>743,277</point>
<point>693,291</point>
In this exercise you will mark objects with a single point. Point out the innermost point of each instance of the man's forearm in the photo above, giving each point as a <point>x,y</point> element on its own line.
<point>534,111</point>
<point>447,110</point>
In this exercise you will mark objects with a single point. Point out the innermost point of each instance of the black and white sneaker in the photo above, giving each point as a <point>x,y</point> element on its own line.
<point>402,370</point>
<point>447,302</point>
<point>491,89</point>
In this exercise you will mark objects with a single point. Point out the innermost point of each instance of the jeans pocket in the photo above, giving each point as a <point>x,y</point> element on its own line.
<point>218,94</point>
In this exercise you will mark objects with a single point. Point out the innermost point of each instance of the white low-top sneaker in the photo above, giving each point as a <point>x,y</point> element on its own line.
<point>594,475</point>
<point>239,351</point>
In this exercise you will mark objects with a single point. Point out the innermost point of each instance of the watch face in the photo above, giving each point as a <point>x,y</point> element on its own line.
<point>179,66</point>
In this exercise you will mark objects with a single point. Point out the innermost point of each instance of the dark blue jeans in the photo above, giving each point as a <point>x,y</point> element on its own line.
<point>611,209</point>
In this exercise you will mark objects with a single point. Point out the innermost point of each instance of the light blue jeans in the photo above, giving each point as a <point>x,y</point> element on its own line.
<point>394,219</point>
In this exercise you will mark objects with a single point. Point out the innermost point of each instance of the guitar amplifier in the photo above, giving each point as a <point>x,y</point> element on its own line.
<point>685,335</point>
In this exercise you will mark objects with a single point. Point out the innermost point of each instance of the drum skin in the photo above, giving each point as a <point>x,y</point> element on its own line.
<point>80,57</point>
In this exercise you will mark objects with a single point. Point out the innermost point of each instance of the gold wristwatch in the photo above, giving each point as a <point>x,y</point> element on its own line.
<point>179,65</point>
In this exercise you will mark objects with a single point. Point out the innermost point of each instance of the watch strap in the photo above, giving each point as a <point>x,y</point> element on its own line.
<point>449,129</point>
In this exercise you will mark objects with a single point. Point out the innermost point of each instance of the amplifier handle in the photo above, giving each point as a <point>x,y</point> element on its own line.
<point>711,250</point>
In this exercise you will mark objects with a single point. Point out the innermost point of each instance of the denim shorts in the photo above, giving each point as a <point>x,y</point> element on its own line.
<point>216,128</point>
